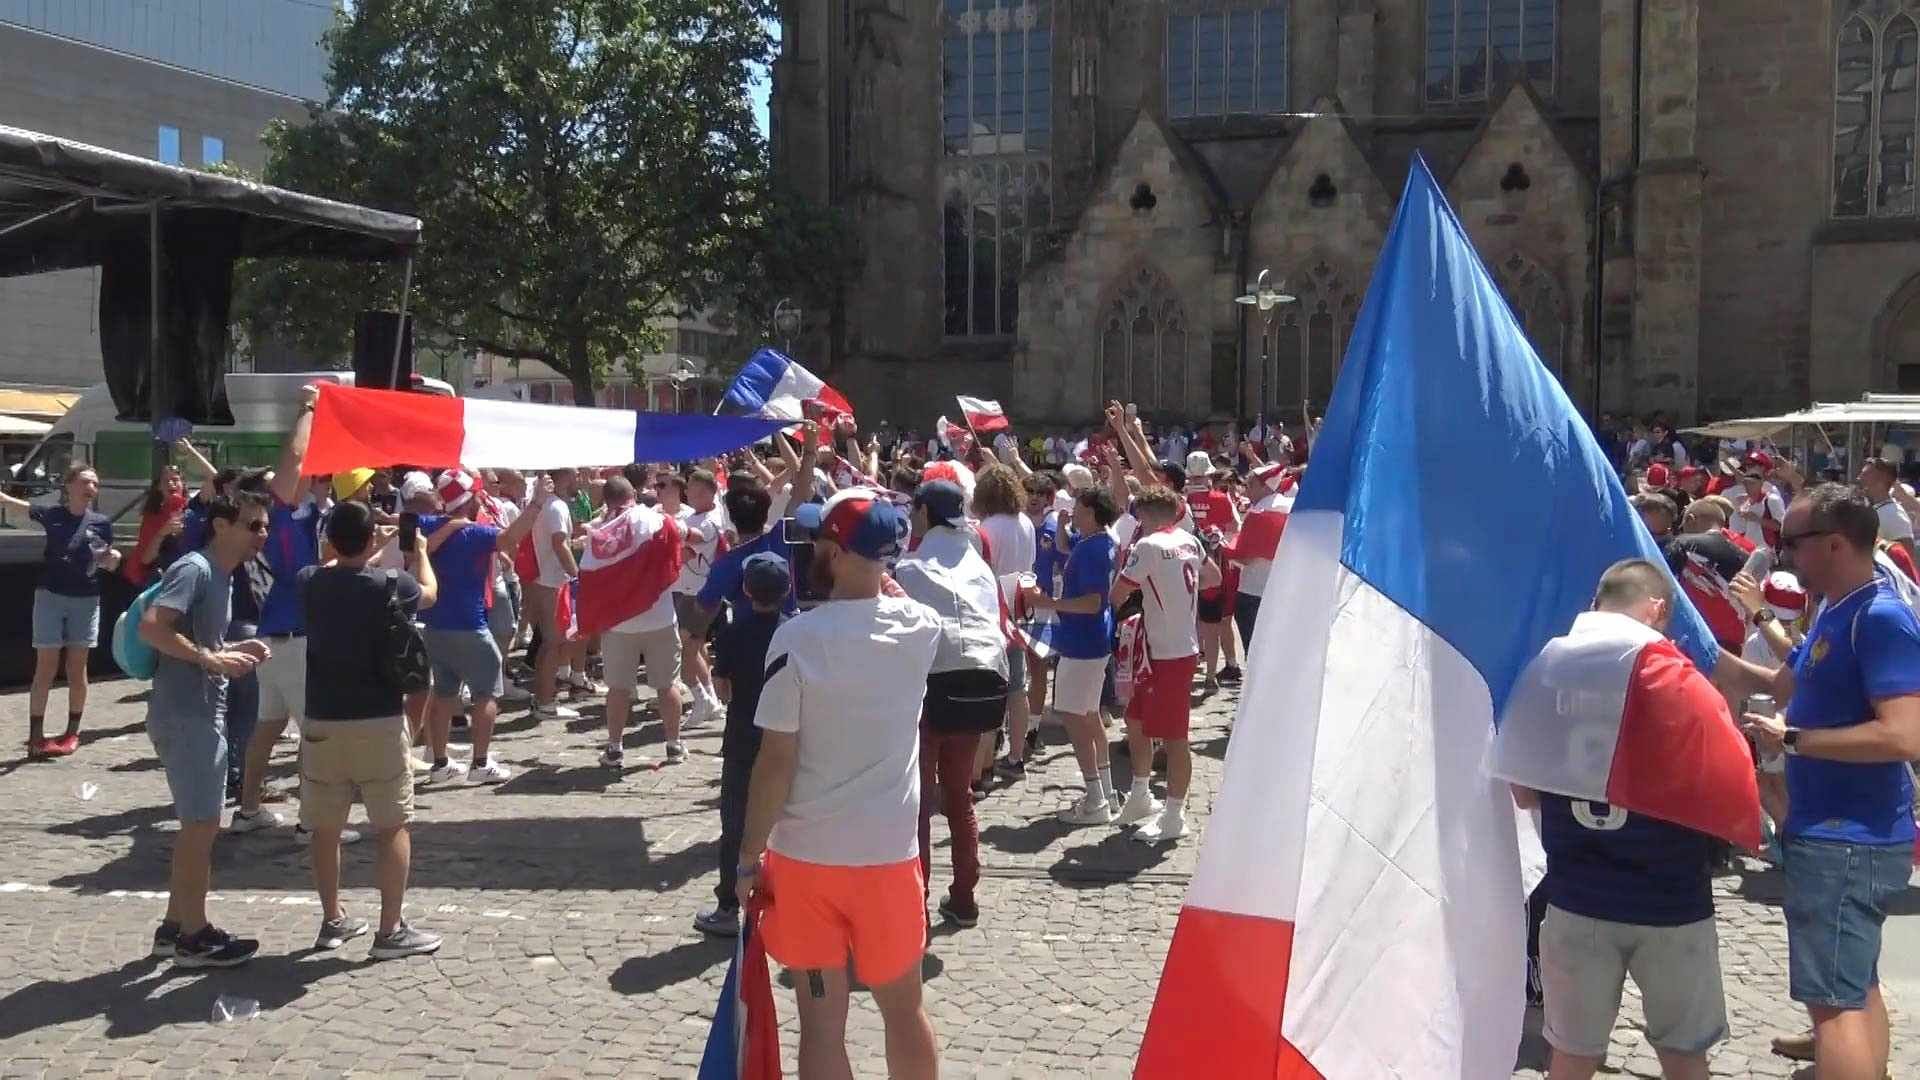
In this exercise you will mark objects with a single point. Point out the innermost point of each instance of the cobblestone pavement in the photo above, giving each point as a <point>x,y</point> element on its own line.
<point>565,896</point>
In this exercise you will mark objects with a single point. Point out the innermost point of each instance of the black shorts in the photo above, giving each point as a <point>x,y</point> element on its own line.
<point>1214,609</point>
<point>959,702</point>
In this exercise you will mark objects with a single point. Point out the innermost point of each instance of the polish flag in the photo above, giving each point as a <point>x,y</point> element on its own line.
<point>354,428</point>
<point>630,562</point>
<point>983,416</point>
<point>1355,908</point>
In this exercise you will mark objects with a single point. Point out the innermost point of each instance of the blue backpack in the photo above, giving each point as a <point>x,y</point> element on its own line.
<point>135,657</point>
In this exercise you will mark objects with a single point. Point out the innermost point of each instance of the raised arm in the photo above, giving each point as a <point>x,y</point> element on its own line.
<point>198,460</point>
<point>287,482</point>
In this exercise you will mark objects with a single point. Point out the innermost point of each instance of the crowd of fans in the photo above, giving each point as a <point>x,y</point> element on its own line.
<point>884,626</point>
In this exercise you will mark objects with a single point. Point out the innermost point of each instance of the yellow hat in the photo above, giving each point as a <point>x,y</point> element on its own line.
<point>346,484</point>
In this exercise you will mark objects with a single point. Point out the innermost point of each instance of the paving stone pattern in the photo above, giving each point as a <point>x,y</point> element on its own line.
<point>566,896</point>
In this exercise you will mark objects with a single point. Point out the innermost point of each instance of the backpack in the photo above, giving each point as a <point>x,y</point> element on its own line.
<point>135,657</point>
<point>403,654</point>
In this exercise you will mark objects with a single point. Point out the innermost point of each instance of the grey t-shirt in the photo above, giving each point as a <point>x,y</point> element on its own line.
<point>204,599</point>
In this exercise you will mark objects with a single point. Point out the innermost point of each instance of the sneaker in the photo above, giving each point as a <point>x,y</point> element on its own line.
<point>1794,1047</point>
<point>1168,826</point>
<point>491,773</point>
<point>1139,807</point>
<point>676,753</point>
<point>419,766</point>
<point>1089,811</point>
<point>613,758</point>
<point>583,685</point>
<point>964,918</point>
<point>720,922</point>
<point>244,822</point>
<point>1011,769</point>
<point>347,836</point>
<point>555,712</point>
<point>337,932</point>
<point>702,711</point>
<point>166,937</point>
<point>39,749</point>
<point>1230,675</point>
<point>64,745</point>
<point>404,941</point>
<point>451,773</point>
<point>213,947</point>
<point>1033,739</point>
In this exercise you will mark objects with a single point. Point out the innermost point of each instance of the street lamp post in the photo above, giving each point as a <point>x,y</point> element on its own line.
<point>1265,299</point>
<point>786,321</point>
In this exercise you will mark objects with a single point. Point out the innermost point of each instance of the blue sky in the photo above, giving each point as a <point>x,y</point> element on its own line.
<point>758,91</point>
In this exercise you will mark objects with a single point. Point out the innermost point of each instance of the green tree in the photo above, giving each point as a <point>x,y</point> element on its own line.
<point>581,167</point>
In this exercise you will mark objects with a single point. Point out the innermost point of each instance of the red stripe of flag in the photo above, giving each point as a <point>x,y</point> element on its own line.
<point>1679,757</point>
<point>355,429</point>
<point>1223,990</point>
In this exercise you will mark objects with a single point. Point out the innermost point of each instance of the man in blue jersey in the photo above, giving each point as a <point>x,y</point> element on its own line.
<point>1851,723</point>
<point>1084,640</point>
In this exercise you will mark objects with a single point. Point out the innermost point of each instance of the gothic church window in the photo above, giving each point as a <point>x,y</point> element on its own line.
<point>997,120</point>
<point>1476,45</point>
<point>1309,341</point>
<point>1227,63</point>
<point>1145,346</point>
<point>1539,305</point>
<point>1876,113</point>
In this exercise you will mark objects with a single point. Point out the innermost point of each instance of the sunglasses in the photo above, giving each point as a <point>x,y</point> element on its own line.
<point>1788,543</point>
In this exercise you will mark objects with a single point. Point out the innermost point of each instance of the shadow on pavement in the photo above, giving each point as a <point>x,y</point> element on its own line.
<point>129,996</point>
<point>1116,857</point>
<point>690,960</point>
<point>1030,839</point>
<point>521,853</point>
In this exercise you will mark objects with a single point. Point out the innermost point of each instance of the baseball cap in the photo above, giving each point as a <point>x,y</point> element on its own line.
<point>1198,463</point>
<point>945,503</point>
<point>1784,595</point>
<point>766,577</point>
<point>346,483</point>
<point>859,520</point>
<point>414,485</point>
<point>456,488</point>
<point>1759,459</point>
<point>1690,472</point>
<point>1659,476</point>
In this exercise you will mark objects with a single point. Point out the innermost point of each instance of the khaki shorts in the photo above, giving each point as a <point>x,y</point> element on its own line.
<point>340,759</point>
<point>622,654</point>
<point>542,606</point>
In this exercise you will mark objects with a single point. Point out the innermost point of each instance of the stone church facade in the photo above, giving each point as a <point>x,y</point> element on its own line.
<point>1699,207</point>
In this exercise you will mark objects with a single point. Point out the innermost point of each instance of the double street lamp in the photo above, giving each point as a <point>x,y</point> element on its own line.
<point>1265,298</point>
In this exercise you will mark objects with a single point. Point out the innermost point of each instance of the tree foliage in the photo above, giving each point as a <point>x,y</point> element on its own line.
<point>581,167</point>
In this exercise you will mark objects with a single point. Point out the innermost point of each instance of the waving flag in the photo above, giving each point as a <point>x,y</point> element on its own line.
<point>630,562</point>
<point>983,416</point>
<point>744,1042</point>
<point>1356,910</point>
<point>774,385</point>
<point>355,428</point>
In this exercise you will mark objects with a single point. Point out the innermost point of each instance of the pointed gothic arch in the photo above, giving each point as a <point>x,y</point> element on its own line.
<point>1145,350</point>
<point>1540,306</point>
<point>1310,338</point>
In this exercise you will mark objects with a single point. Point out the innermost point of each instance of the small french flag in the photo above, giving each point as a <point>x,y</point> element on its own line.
<point>744,1042</point>
<point>983,416</point>
<point>773,385</point>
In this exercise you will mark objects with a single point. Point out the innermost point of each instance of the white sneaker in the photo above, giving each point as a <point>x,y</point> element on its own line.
<point>583,684</point>
<point>256,821</point>
<point>1093,811</point>
<point>1139,807</point>
<point>491,773</point>
<point>702,711</point>
<point>451,773</point>
<point>555,712</point>
<point>1170,825</point>
<point>419,765</point>
<point>347,836</point>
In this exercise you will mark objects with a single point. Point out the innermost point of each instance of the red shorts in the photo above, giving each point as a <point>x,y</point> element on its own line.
<point>1160,700</point>
<point>821,915</point>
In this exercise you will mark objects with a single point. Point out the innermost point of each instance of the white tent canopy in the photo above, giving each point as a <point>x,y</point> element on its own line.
<point>1872,409</point>
<point>20,425</point>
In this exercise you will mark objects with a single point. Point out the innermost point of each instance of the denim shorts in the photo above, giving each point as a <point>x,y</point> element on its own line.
<point>193,750</point>
<point>65,621</point>
<point>1837,897</point>
<point>464,656</point>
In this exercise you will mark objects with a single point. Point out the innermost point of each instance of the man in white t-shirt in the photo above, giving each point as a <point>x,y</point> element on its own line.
<point>1168,568</point>
<point>1876,479</point>
<point>553,552</point>
<point>652,636</point>
<point>1758,508</point>
<point>834,803</point>
<point>693,501</point>
<point>1257,542</point>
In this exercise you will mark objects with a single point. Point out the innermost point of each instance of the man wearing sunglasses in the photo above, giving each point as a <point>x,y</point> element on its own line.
<point>1851,723</point>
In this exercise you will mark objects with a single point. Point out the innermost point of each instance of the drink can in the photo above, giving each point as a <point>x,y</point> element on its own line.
<point>1762,705</point>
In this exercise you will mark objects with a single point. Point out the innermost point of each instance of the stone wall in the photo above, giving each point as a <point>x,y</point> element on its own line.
<point>1854,284</point>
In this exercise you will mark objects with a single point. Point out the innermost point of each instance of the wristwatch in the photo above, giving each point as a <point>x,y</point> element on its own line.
<point>1764,616</point>
<point>1791,740</point>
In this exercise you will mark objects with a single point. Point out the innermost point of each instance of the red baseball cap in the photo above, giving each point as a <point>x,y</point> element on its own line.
<point>1690,472</point>
<point>858,519</point>
<point>1761,460</point>
<point>1659,476</point>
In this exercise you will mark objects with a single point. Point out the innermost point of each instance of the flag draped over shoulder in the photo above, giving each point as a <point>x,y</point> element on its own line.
<point>354,428</point>
<point>630,562</point>
<point>1357,907</point>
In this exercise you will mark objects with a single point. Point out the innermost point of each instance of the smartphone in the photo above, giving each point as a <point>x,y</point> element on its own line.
<point>409,530</point>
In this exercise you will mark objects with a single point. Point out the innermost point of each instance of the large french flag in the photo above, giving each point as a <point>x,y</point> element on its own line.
<point>630,562</point>
<point>744,1042</point>
<point>354,428</point>
<point>774,385</point>
<point>1357,910</point>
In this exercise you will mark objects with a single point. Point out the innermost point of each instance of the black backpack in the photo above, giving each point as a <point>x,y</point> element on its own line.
<point>403,656</point>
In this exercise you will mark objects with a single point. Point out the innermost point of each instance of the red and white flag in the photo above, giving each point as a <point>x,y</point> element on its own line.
<point>954,437</point>
<point>983,416</point>
<point>630,562</point>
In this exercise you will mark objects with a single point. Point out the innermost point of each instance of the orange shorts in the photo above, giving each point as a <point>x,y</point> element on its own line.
<point>1160,701</point>
<point>820,915</point>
